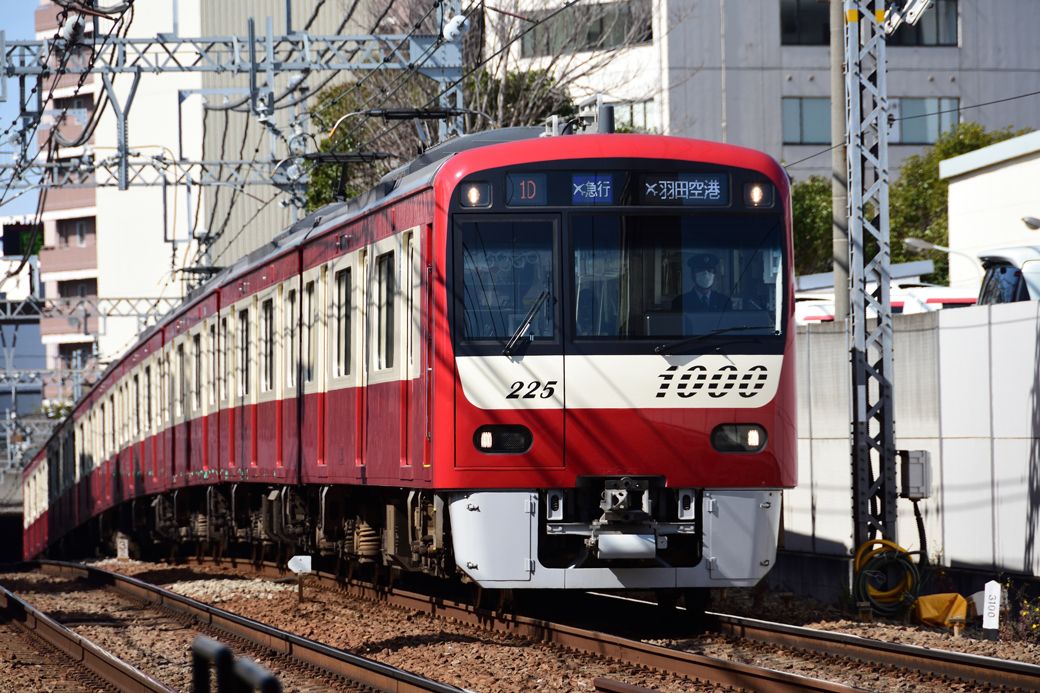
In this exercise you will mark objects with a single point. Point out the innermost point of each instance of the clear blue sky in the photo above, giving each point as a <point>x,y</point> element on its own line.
<point>16,20</point>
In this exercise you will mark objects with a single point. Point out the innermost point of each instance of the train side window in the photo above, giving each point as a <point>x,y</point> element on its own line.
<point>385,294</point>
<point>411,287</point>
<point>181,402</point>
<point>243,352</point>
<point>110,434</point>
<point>310,341</point>
<point>148,398</point>
<point>137,406</point>
<point>344,286</point>
<point>222,375</point>
<point>290,338</point>
<point>214,372</point>
<point>267,345</point>
<point>197,371</point>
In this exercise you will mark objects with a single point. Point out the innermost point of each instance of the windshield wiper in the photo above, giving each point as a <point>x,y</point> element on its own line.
<point>525,324</point>
<point>671,346</point>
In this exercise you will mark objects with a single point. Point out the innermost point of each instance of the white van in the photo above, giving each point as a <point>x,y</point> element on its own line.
<point>1012,274</point>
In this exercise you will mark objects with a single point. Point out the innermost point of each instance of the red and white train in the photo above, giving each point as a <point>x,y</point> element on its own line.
<point>540,362</point>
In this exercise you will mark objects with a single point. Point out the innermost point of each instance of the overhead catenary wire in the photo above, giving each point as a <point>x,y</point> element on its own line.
<point>922,115</point>
<point>469,73</point>
<point>51,142</point>
<point>211,232</point>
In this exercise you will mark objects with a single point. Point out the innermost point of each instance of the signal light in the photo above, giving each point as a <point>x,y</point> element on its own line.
<point>758,195</point>
<point>503,439</point>
<point>476,195</point>
<point>738,438</point>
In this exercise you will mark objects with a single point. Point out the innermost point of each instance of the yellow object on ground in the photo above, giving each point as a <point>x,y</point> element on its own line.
<point>941,609</point>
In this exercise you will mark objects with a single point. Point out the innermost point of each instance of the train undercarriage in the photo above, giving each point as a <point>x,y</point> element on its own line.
<point>606,533</point>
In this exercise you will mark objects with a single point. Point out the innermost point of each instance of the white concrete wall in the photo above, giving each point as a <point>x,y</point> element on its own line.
<point>133,257</point>
<point>967,389</point>
<point>986,208</point>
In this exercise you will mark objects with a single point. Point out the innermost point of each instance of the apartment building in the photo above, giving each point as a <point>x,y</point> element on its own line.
<point>103,242</point>
<point>757,72</point>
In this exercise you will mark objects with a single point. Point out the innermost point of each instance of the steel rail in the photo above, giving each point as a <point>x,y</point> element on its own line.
<point>365,672</point>
<point>979,669</point>
<point>112,670</point>
<point>633,652</point>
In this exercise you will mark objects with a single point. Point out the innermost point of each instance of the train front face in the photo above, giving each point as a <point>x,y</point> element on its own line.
<point>623,370</point>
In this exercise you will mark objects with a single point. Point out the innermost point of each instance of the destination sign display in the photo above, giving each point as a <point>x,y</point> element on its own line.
<point>592,189</point>
<point>526,190</point>
<point>694,189</point>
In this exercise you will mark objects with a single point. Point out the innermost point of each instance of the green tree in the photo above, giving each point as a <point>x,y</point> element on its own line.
<point>811,212</point>
<point>918,198</point>
<point>526,98</point>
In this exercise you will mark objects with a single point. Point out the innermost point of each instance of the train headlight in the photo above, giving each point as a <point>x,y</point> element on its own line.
<point>503,439</point>
<point>738,438</point>
<point>476,195</point>
<point>758,195</point>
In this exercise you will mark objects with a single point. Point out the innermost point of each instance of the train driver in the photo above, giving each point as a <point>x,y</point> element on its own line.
<point>702,296</point>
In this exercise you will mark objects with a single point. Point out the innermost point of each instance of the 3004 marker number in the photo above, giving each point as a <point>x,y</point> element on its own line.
<point>532,390</point>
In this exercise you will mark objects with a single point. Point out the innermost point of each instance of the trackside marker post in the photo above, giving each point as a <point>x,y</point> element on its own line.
<point>301,565</point>
<point>991,611</point>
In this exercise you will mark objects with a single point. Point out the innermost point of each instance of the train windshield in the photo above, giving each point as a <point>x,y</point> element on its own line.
<point>653,276</point>
<point>507,266</point>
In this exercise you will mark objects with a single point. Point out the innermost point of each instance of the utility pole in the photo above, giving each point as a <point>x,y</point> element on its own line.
<point>870,343</point>
<point>867,24</point>
<point>839,173</point>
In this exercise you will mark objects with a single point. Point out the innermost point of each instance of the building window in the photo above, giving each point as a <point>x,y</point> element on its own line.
<point>804,23</point>
<point>921,121</point>
<point>807,23</point>
<point>267,345</point>
<point>635,116</point>
<point>937,27</point>
<point>74,232</point>
<point>588,27</point>
<point>807,120</point>
<point>343,287</point>
<point>77,288</point>
<point>385,311</point>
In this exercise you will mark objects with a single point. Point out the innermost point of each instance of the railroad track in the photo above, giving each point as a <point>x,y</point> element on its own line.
<point>974,669</point>
<point>74,651</point>
<point>300,653</point>
<point>985,671</point>
<point>691,666</point>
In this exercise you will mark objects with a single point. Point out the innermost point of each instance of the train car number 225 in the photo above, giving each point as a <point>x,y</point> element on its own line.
<point>532,390</point>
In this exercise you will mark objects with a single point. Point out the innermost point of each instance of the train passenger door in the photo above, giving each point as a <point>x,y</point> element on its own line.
<point>508,342</point>
<point>312,372</point>
<point>384,369</point>
<point>344,398</point>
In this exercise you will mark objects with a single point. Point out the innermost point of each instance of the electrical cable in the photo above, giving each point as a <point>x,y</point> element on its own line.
<point>503,48</point>
<point>50,142</point>
<point>237,105</point>
<point>923,115</point>
<point>876,561</point>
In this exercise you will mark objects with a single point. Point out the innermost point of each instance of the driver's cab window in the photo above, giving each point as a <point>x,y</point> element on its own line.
<point>643,276</point>
<point>507,272</point>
